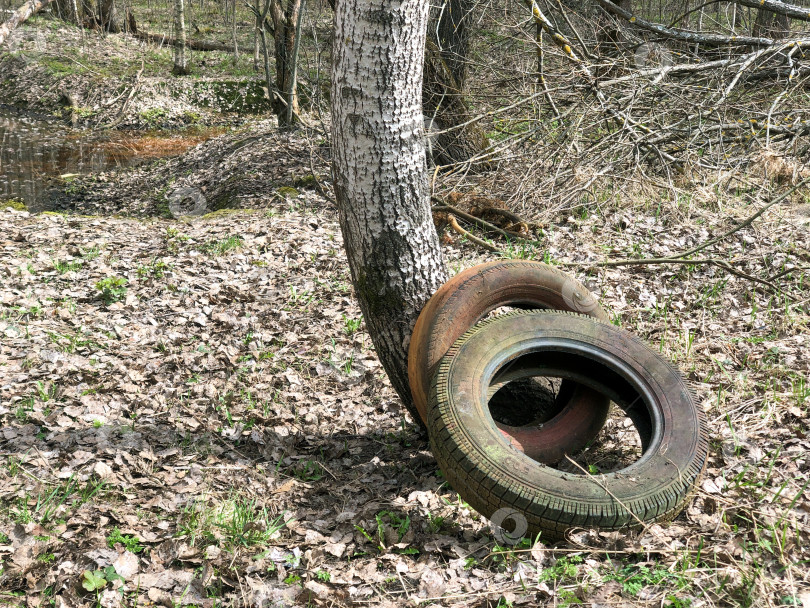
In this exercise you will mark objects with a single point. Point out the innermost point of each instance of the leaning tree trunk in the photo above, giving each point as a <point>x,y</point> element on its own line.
<point>379,171</point>
<point>444,85</point>
<point>21,15</point>
<point>769,24</point>
<point>180,66</point>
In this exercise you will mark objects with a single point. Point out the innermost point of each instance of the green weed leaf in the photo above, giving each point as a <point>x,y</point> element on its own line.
<point>93,581</point>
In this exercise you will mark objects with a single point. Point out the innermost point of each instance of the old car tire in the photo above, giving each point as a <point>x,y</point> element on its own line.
<point>578,413</point>
<point>488,473</point>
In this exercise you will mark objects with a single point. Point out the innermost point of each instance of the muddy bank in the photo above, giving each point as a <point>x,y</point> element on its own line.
<point>243,169</point>
<point>39,156</point>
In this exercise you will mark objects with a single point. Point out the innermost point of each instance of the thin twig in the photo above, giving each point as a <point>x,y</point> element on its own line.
<point>705,261</point>
<point>606,489</point>
<point>680,258</point>
<point>747,222</point>
<point>786,272</point>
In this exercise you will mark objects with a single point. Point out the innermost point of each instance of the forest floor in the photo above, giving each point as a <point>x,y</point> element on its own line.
<point>115,80</point>
<point>192,413</point>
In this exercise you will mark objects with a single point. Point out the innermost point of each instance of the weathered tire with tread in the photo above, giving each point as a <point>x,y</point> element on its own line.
<point>578,414</point>
<point>489,474</point>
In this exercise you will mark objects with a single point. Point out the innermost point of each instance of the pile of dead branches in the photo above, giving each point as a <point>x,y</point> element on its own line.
<point>595,91</point>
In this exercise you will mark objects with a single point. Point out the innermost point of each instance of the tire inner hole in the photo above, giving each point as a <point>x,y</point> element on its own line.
<point>533,398</point>
<point>525,401</point>
<point>616,447</point>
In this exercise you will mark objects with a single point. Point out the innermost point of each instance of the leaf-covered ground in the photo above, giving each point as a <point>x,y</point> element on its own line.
<point>193,414</point>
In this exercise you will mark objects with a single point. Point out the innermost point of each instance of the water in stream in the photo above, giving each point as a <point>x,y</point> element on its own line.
<point>34,151</point>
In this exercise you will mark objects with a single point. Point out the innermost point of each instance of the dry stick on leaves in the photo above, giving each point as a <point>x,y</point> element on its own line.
<point>195,45</point>
<point>747,222</point>
<point>470,237</point>
<point>679,258</point>
<point>483,223</point>
<point>718,263</point>
<point>788,271</point>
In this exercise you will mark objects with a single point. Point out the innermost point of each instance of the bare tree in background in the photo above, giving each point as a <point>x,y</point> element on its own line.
<point>286,16</point>
<point>445,82</point>
<point>610,33</point>
<point>68,10</point>
<point>285,26</point>
<point>180,65</point>
<point>379,171</point>
<point>770,24</point>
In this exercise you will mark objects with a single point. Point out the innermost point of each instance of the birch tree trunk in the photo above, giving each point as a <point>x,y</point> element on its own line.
<point>379,171</point>
<point>20,15</point>
<point>180,66</point>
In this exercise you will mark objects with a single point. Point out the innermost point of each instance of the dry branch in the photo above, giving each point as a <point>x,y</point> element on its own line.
<point>623,119</point>
<point>780,8</point>
<point>681,258</point>
<point>470,237</point>
<point>685,35</point>
<point>483,223</point>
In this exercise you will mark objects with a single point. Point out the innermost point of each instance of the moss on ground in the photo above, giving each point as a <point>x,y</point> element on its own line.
<point>287,192</point>
<point>12,203</point>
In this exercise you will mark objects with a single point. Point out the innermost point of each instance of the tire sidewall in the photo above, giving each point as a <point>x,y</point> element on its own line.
<point>461,421</point>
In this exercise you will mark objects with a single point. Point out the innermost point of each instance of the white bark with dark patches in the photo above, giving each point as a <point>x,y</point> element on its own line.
<point>792,11</point>
<point>379,171</point>
<point>20,16</point>
<point>180,66</point>
<point>680,34</point>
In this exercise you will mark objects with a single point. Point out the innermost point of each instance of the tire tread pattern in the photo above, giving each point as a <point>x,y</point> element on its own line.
<point>548,514</point>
